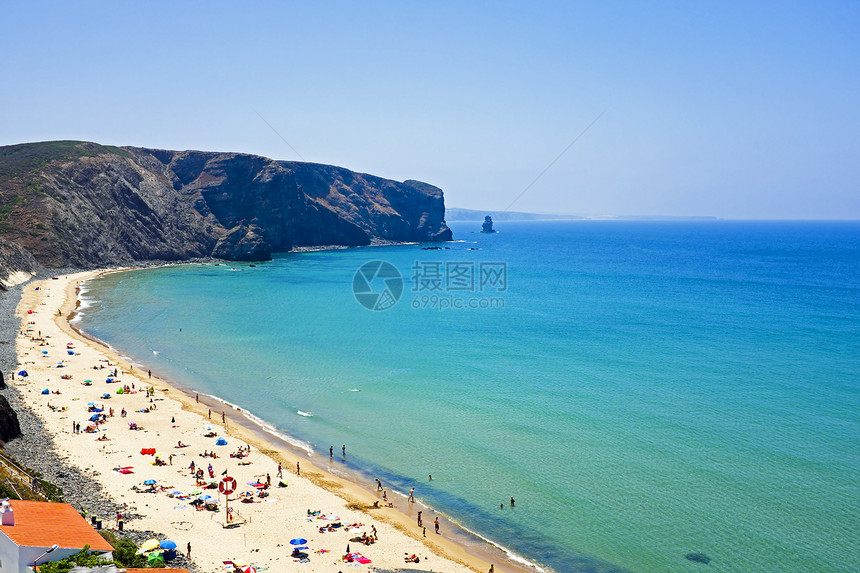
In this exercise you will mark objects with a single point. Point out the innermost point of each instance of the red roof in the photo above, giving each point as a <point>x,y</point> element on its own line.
<point>42,524</point>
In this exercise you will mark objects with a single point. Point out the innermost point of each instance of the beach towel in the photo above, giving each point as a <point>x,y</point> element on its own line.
<point>359,558</point>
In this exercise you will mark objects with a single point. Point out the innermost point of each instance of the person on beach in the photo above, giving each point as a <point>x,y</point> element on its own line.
<point>419,519</point>
<point>378,485</point>
<point>412,495</point>
<point>210,414</point>
<point>197,397</point>
<point>223,418</point>
<point>149,372</point>
<point>280,470</point>
<point>436,524</point>
<point>492,569</point>
<point>384,496</point>
<point>298,469</point>
<point>188,552</point>
<point>425,531</point>
<point>343,449</point>
<point>331,451</point>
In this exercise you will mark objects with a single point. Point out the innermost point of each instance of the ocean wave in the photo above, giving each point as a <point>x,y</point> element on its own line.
<point>267,427</point>
<point>508,553</point>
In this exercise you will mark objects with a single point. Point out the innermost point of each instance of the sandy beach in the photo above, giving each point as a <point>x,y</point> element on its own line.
<point>259,530</point>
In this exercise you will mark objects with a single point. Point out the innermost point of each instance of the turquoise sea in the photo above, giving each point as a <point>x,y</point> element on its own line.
<point>645,390</point>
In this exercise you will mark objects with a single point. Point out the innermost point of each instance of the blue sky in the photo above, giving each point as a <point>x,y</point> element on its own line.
<point>731,109</point>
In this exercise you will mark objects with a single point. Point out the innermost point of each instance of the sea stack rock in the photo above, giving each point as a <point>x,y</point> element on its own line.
<point>487,227</point>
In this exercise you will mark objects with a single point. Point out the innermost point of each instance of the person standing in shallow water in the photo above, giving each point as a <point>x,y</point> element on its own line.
<point>436,524</point>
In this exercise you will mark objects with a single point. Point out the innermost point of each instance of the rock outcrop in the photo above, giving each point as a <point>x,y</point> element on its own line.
<point>9,426</point>
<point>78,204</point>
<point>16,264</point>
<point>487,227</point>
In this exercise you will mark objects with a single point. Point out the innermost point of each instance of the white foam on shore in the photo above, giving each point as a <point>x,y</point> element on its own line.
<point>266,427</point>
<point>508,553</point>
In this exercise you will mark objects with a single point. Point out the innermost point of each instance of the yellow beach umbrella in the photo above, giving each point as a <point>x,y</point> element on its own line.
<point>149,545</point>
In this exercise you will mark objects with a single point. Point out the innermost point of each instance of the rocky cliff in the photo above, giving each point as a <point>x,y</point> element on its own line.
<point>78,204</point>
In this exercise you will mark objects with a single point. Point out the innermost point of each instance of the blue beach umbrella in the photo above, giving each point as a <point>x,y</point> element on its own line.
<point>168,544</point>
<point>44,352</point>
<point>46,391</point>
<point>23,374</point>
<point>149,482</point>
<point>298,541</point>
<point>94,417</point>
<point>221,442</point>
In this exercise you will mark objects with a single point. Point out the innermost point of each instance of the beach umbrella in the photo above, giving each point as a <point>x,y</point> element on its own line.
<point>205,497</point>
<point>23,374</point>
<point>119,391</point>
<point>168,544</point>
<point>298,541</point>
<point>207,427</point>
<point>248,569</point>
<point>148,545</point>
<point>177,492</point>
<point>155,559</point>
<point>94,417</point>
<point>149,482</point>
<point>44,352</point>
<point>46,391</point>
<point>220,442</point>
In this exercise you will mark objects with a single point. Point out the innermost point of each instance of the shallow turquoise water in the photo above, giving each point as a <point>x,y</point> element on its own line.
<point>644,390</point>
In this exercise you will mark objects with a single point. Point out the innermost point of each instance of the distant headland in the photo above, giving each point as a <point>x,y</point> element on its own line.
<point>85,205</point>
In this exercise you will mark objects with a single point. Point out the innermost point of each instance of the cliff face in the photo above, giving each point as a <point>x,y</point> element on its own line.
<point>84,205</point>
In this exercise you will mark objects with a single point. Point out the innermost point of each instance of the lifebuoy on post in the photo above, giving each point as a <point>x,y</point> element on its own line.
<point>227,485</point>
